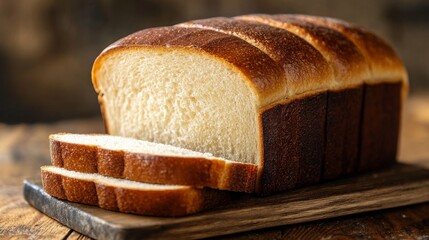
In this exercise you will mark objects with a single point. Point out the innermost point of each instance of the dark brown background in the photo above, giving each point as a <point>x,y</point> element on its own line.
<point>47,47</point>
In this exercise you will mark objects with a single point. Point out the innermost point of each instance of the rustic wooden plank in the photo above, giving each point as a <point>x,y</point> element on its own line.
<point>398,186</point>
<point>397,223</point>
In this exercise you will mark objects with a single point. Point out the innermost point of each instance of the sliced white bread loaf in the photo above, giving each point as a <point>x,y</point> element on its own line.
<point>129,196</point>
<point>149,162</point>
<point>298,98</point>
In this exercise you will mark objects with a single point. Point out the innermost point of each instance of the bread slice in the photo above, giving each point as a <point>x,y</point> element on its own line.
<point>283,93</point>
<point>129,196</point>
<point>149,162</point>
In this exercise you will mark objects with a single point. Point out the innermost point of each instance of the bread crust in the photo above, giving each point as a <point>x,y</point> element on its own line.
<point>348,64</point>
<point>294,136</point>
<point>343,122</point>
<point>166,202</point>
<point>381,118</point>
<point>385,65</point>
<point>149,168</point>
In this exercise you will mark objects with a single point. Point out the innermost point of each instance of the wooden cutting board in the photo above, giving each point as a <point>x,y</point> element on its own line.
<point>398,186</point>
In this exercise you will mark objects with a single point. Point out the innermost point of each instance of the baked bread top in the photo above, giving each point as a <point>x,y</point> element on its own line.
<point>280,56</point>
<point>384,63</point>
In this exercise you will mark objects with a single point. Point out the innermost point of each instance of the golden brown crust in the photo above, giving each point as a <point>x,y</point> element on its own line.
<point>305,68</point>
<point>217,174</point>
<point>384,62</point>
<point>264,76</point>
<point>154,202</point>
<point>77,190</point>
<point>74,190</point>
<point>347,62</point>
<point>53,184</point>
<point>199,172</point>
<point>106,197</point>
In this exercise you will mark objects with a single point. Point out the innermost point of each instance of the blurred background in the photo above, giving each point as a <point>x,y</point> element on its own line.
<point>47,47</point>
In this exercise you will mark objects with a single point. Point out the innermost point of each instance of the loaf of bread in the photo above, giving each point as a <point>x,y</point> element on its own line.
<point>129,196</point>
<point>301,98</point>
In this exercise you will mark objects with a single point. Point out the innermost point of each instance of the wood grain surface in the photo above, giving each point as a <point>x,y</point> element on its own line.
<point>24,148</point>
<point>399,185</point>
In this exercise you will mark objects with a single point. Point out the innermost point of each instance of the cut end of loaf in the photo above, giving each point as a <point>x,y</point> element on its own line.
<point>180,97</point>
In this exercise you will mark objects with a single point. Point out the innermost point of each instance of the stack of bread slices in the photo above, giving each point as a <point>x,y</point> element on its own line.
<point>256,104</point>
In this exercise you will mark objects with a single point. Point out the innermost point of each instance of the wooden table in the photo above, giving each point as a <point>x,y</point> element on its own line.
<point>24,148</point>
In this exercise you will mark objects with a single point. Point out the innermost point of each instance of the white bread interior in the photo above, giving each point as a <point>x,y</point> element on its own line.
<point>164,95</point>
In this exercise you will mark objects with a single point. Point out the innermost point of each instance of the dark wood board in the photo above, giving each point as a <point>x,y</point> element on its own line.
<point>397,186</point>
